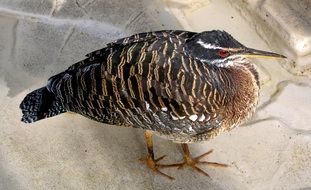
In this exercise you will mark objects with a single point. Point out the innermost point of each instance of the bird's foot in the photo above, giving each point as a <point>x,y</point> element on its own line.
<point>193,162</point>
<point>154,166</point>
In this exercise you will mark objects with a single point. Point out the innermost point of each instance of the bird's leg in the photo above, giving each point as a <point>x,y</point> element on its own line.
<point>193,162</point>
<point>150,160</point>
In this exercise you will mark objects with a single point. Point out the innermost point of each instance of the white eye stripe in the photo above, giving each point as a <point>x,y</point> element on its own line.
<point>211,46</point>
<point>208,46</point>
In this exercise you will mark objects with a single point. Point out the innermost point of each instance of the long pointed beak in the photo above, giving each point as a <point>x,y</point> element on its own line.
<point>254,53</point>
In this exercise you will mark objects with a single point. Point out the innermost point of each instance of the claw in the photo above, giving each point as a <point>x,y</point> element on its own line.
<point>193,162</point>
<point>152,164</point>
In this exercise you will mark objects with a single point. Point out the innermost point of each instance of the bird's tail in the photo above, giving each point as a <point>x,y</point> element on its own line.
<point>40,104</point>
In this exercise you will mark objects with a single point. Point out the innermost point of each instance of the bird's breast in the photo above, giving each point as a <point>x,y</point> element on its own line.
<point>245,96</point>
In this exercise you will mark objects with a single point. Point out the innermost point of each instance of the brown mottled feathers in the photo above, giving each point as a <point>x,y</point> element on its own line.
<point>147,81</point>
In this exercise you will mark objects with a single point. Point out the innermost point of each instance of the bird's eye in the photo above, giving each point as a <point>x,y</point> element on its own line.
<point>223,53</point>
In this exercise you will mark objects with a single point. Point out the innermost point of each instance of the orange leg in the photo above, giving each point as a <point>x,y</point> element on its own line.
<point>149,160</point>
<point>193,162</point>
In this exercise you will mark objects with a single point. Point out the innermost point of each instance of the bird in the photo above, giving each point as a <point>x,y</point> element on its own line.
<point>184,86</point>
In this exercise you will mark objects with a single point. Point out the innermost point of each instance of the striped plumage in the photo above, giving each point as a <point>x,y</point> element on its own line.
<point>185,86</point>
<point>155,81</point>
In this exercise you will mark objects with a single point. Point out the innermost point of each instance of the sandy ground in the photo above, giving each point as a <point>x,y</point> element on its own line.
<point>41,38</point>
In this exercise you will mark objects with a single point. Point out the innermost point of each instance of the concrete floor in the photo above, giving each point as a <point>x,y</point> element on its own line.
<point>41,38</point>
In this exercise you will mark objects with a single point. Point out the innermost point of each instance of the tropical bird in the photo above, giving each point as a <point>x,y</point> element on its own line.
<point>184,86</point>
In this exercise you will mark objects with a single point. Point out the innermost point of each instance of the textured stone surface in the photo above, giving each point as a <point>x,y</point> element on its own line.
<point>285,25</point>
<point>41,38</point>
<point>32,6</point>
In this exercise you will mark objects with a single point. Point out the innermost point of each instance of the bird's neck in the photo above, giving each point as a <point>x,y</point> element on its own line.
<point>245,94</point>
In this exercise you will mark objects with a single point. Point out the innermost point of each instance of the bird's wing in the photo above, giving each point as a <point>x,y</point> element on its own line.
<point>156,77</point>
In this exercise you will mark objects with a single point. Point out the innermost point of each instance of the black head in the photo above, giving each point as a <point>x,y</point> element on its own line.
<point>219,47</point>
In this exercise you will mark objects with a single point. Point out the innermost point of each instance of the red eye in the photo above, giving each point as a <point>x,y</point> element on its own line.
<point>223,53</point>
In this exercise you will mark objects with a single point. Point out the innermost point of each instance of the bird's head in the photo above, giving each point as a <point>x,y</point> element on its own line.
<point>220,48</point>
